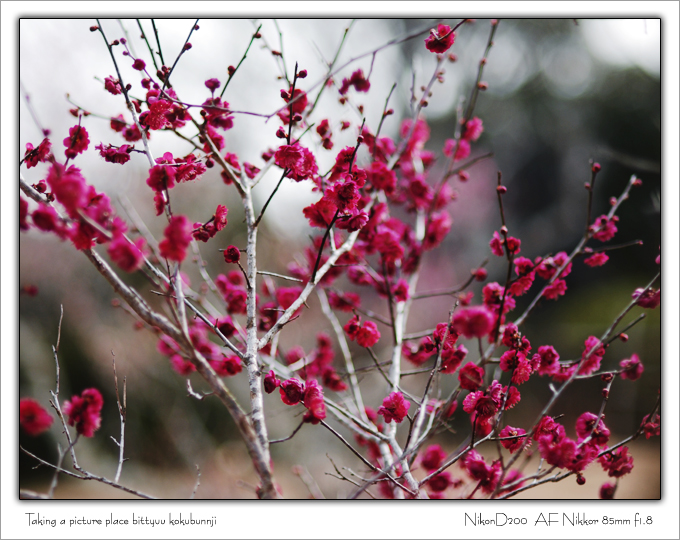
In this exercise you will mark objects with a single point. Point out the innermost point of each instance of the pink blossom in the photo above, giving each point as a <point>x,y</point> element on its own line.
<point>381,177</point>
<point>161,177</point>
<point>271,382</point>
<point>439,41</point>
<point>474,321</point>
<point>512,444</point>
<point>33,156</point>
<point>605,228</point>
<point>482,404</point>
<point>471,376</point>
<point>227,366</point>
<point>112,85</point>
<point>182,365</point>
<point>437,228</point>
<point>440,482</point>
<point>313,401</point>
<point>557,449</point>
<point>346,301</point>
<point>632,368</point>
<point>45,218</point>
<point>127,255</point>
<point>69,188</point>
<point>617,463</point>
<point>556,289</point>
<point>585,425</point>
<point>344,195</point>
<point>84,411</point>
<point>33,418</point>
<point>177,237</point>
<point>647,298</point>
<point>607,491</point>
<point>452,358</point>
<point>487,475</point>
<point>433,458</point>
<point>368,335</point>
<point>217,115</point>
<point>156,117</point>
<point>394,407</point>
<point>292,391</point>
<point>114,154</point>
<point>77,141</point>
<point>358,80</point>
<point>591,356</point>
<point>651,427</point>
<point>212,84</point>
<point>232,255</point>
<point>473,129</point>
<point>548,360</point>
<point>598,259</point>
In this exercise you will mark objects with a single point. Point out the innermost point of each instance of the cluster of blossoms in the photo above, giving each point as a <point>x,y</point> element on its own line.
<point>294,391</point>
<point>33,418</point>
<point>84,411</point>
<point>387,211</point>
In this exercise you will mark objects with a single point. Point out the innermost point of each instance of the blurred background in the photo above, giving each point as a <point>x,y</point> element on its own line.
<point>561,93</point>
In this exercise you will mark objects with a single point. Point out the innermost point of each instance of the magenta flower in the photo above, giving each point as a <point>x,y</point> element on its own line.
<point>288,156</point>
<point>452,358</point>
<point>394,407</point>
<point>440,482</point>
<point>181,365</point>
<point>232,255</point>
<point>46,219</point>
<point>512,444</point>
<point>473,129</point>
<point>77,141</point>
<point>357,80</point>
<point>344,196</point>
<point>471,377</point>
<point>438,227</point>
<point>33,418</point>
<point>161,177</point>
<point>155,118</point>
<point>112,85</point>
<point>585,425</point>
<point>212,84</point>
<point>632,368</point>
<point>271,383</point>
<point>617,463</point>
<point>607,491</point>
<point>69,188</point>
<point>439,41</point>
<point>598,259</point>
<point>605,228</point>
<point>475,321</point>
<point>648,299</point>
<point>177,237</point>
<point>368,335</point>
<point>227,366</point>
<point>33,156</point>
<point>433,458</point>
<point>486,475</point>
<point>313,401</point>
<point>592,363</point>
<point>548,360</point>
<point>128,256</point>
<point>556,289</point>
<point>84,411</point>
<point>381,177</point>
<point>292,391</point>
